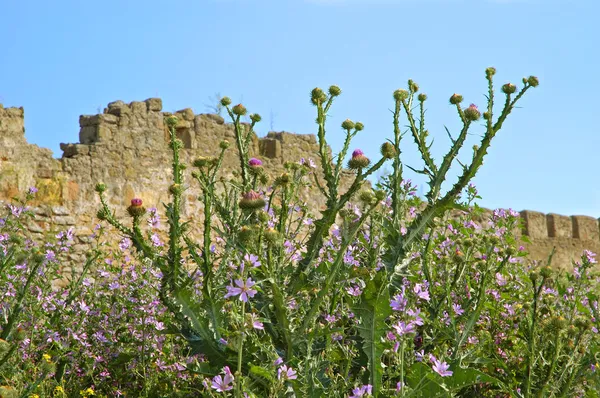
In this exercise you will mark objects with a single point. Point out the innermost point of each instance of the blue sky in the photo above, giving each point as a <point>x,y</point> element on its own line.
<point>61,59</point>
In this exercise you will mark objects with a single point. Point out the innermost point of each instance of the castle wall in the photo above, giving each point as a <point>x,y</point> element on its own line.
<point>126,148</point>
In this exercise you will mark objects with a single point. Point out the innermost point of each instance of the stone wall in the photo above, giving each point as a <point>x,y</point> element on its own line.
<point>126,148</point>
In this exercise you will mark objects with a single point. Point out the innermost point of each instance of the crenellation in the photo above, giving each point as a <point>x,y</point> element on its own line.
<point>559,226</point>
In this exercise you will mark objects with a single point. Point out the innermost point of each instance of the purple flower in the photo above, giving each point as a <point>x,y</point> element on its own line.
<point>243,289</point>
<point>286,373</point>
<point>308,162</point>
<point>125,244</point>
<point>457,309</point>
<point>404,328</point>
<point>354,290</point>
<point>255,322</point>
<point>362,391</point>
<point>255,162</point>
<point>156,240</point>
<point>252,260</point>
<point>421,292</point>
<point>278,361</point>
<point>440,367</point>
<point>32,190</point>
<point>398,302</point>
<point>357,152</point>
<point>222,384</point>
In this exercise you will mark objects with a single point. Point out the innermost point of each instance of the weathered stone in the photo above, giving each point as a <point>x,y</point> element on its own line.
<point>559,226</point>
<point>585,228</point>
<point>535,225</point>
<point>215,118</point>
<point>154,104</point>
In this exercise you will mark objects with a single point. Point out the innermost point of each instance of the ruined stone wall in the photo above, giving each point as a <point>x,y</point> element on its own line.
<point>126,148</point>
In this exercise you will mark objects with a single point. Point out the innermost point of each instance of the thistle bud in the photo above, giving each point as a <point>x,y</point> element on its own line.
<point>400,95</point>
<point>136,209</point>
<point>359,126</point>
<point>239,110</point>
<point>557,323</point>
<point>225,101</point>
<point>533,276</point>
<point>171,121</point>
<point>472,113</point>
<point>255,117</point>
<point>176,189</point>
<point>546,272</point>
<point>19,334</point>
<point>246,234</point>
<point>334,91</point>
<point>263,179</point>
<point>358,161</point>
<point>533,81</point>
<point>283,179</point>
<point>271,235</point>
<point>388,150</point>
<point>380,195</point>
<point>509,88</point>
<point>412,86</point>
<point>348,124</point>
<point>100,187</point>
<point>422,97</point>
<point>252,200</point>
<point>201,162</point>
<point>317,96</point>
<point>224,144</point>
<point>487,115</point>
<point>366,197</point>
<point>263,216</point>
<point>101,214</point>
<point>489,72</point>
<point>456,99</point>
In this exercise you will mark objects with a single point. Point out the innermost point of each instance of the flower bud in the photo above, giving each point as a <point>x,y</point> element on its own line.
<point>171,121</point>
<point>472,113</point>
<point>509,88</point>
<point>388,150</point>
<point>533,81</point>
<point>201,162</point>
<point>422,97</point>
<point>546,272</point>
<point>358,160</point>
<point>359,126</point>
<point>489,72</point>
<point>224,144</point>
<point>263,179</point>
<point>334,91</point>
<point>400,95</point>
<point>100,187</point>
<point>456,99</point>
<point>176,189</point>
<point>283,179</point>
<point>101,214</point>
<point>380,195</point>
<point>366,197</point>
<point>317,96</point>
<point>239,110</point>
<point>533,276</point>
<point>271,236</point>
<point>412,86</point>
<point>348,124</point>
<point>487,115</point>
<point>246,234</point>
<point>252,200</point>
<point>225,101</point>
<point>255,117</point>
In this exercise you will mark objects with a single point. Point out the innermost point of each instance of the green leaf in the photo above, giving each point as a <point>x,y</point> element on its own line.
<point>422,380</point>
<point>372,311</point>
<point>465,377</point>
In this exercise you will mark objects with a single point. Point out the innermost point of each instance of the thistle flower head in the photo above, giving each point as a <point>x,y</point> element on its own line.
<point>239,110</point>
<point>533,81</point>
<point>422,97</point>
<point>136,202</point>
<point>334,91</point>
<point>400,95</point>
<point>171,121</point>
<point>489,72</point>
<point>252,200</point>
<point>255,117</point>
<point>225,101</point>
<point>456,99</point>
<point>388,150</point>
<point>136,209</point>
<point>348,124</point>
<point>317,96</point>
<point>254,162</point>
<point>509,88</point>
<point>358,161</point>
<point>472,113</point>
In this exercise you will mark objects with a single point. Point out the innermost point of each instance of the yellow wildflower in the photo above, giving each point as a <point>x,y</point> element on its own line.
<point>47,357</point>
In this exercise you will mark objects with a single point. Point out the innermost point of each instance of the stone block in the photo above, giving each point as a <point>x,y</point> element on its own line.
<point>270,148</point>
<point>186,114</point>
<point>154,104</point>
<point>88,134</point>
<point>559,226</point>
<point>138,107</point>
<point>60,211</point>
<point>585,228</point>
<point>535,224</point>
<point>215,118</point>
<point>118,108</point>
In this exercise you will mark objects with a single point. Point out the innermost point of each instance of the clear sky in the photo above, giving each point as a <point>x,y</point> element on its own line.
<point>60,59</point>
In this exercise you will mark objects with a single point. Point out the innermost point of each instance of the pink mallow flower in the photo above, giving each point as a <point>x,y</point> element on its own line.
<point>223,383</point>
<point>243,289</point>
<point>286,373</point>
<point>440,367</point>
<point>362,391</point>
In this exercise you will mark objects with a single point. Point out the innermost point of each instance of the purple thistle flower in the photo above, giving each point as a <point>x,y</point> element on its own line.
<point>357,152</point>
<point>255,162</point>
<point>243,289</point>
